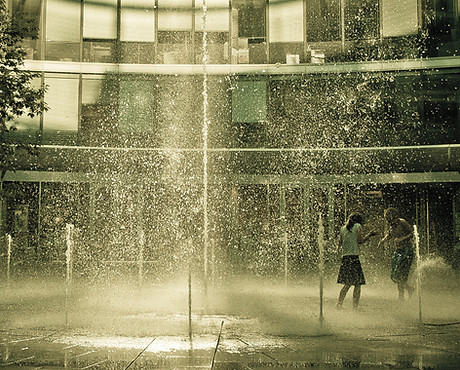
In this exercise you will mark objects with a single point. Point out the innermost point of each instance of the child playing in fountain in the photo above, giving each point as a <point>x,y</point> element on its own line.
<point>350,271</point>
<point>401,233</point>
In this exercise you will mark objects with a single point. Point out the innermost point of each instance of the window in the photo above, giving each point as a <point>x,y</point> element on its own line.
<point>217,28</point>
<point>100,19</point>
<point>442,20</point>
<point>137,31</point>
<point>99,113</point>
<point>137,20</point>
<point>249,38</point>
<point>249,112</point>
<point>27,128</point>
<point>99,31</point>
<point>137,98</point>
<point>62,30</point>
<point>323,20</point>
<point>29,10</point>
<point>361,19</point>
<point>399,18</point>
<point>249,101</point>
<point>60,122</point>
<point>285,20</point>
<point>175,31</point>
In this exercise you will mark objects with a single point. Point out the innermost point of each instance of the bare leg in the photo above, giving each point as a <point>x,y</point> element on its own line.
<point>356,295</point>
<point>342,294</point>
<point>410,289</point>
<point>401,290</point>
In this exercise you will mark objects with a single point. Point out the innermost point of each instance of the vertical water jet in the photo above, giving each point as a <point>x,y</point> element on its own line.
<point>8,260</point>
<point>321,266</point>
<point>418,274</point>
<point>68,259</point>
<point>205,150</point>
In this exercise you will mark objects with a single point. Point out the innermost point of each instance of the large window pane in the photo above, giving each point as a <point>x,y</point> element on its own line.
<point>27,128</point>
<point>138,52</point>
<point>286,20</point>
<point>137,20</point>
<point>63,20</point>
<point>62,30</point>
<point>361,19</point>
<point>137,31</point>
<point>251,18</point>
<point>249,101</point>
<point>29,10</point>
<point>441,107</point>
<point>399,18</point>
<point>99,113</point>
<point>175,31</point>
<point>442,21</point>
<point>174,20</point>
<point>61,120</point>
<point>137,99</point>
<point>323,20</point>
<point>174,15</point>
<point>178,115</point>
<point>249,32</point>
<point>217,27</point>
<point>100,19</point>
<point>91,106</point>
<point>217,15</point>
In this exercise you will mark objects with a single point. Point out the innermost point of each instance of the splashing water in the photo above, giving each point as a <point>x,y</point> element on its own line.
<point>418,275</point>
<point>68,253</point>
<point>205,146</point>
<point>68,256</point>
<point>8,262</point>
<point>321,266</point>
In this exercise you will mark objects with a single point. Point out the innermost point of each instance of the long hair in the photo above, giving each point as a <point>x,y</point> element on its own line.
<point>354,218</point>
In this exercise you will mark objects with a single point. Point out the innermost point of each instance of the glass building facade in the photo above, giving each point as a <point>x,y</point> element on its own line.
<point>225,129</point>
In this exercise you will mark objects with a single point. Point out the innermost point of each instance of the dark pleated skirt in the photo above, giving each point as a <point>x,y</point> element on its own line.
<point>350,271</point>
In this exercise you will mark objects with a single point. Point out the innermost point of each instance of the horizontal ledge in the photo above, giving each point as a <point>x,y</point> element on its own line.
<point>261,150</point>
<point>242,69</point>
<point>289,180</point>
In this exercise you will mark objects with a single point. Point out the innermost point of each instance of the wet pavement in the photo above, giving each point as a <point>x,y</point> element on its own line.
<point>251,326</point>
<point>419,347</point>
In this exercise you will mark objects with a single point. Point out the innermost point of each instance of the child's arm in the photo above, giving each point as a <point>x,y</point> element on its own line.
<point>363,238</point>
<point>384,239</point>
<point>339,240</point>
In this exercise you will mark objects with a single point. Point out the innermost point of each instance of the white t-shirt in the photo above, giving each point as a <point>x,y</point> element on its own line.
<point>350,240</point>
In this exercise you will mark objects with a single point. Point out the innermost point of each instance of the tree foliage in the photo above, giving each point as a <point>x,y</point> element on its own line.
<point>17,96</point>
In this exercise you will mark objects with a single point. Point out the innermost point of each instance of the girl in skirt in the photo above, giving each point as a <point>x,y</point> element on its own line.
<point>351,272</point>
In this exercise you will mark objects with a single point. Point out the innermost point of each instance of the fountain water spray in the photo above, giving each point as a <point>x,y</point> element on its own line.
<point>284,231</point>
<point>8,260</point>
<point>213,261</point>
<point>68,259</point>
<point>69,251</point>
<point>418,275</point>
<point>205,148</point>
<point>190,333</point>
<point>140,260</point>
<point>321,245</point>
